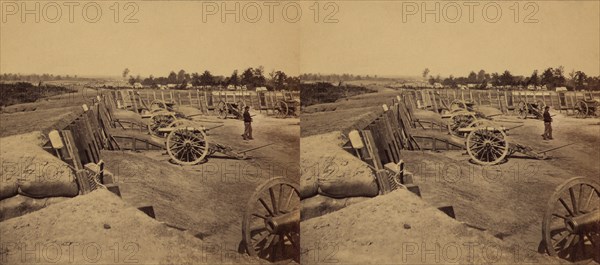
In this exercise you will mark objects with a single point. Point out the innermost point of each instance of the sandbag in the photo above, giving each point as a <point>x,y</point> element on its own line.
<point>37,173</point>
<point>340,180</point>
<point>8,189</point>
<point>54,180</point>
<point>320,205</point>
<point>19,205</point>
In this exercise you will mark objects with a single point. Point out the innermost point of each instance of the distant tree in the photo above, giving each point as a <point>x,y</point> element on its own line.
<point>481,76</point>
<point>125,73</point>
<point>579,79</point>
<point>534,79</point>
<point>234,79</point>
<point>472,79</point>
<point>425,73</point>
<point>506,79</point>
<point>547,77</point>
<point>279,80</point>
<point>172,78</point>
<point>207,79</point>
<point>180,76</point>
<point>247,76</point>
<point>131,80</point>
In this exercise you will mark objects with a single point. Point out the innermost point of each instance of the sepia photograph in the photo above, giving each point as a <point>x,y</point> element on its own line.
<point>299,132</point>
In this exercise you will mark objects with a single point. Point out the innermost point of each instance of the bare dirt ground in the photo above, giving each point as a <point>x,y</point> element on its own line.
<point>208,200</point>
<point>201,206</point>
<point>506,201</point>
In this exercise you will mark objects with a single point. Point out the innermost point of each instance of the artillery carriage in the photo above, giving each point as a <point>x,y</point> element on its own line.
<point>526,109</point>
<point>587,108</point>
<point>571,223</point>
<point>271,223</point>
<point>286,108</point>
<point>488,145</point>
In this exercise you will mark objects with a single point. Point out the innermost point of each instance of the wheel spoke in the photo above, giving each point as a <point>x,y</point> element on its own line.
<point>573,201</point>
<point>264,204</point>
<point>273,201</point>
<point>566,207</point>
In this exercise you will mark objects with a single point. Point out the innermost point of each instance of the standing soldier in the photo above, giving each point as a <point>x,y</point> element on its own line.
<point>547,124</point>
<point>247,124</point>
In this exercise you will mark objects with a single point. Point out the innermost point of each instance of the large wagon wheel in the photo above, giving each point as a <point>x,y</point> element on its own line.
<point>282,108</point>
<point>271,224</point>
<point>522,109</point>
<point>158,121</point>
<point>570,228</point>
<point>487,146</point>
<point>460,120</point>
<point>187,146</point>
<point>222,110</point>
<point>582,109</point>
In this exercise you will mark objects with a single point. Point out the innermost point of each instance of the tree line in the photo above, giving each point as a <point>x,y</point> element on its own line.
<point>550,77</point>
<point>38,77</point>
<point>250,77</point>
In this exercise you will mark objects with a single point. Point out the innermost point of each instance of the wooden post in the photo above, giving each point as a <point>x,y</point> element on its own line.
<point>179,97</point>
<point>190,97</point>
<point>490,97</point>
<point>462,95</point>
<point>479,98</point>
<point>506,100</point>
<point>162,95</point>
<point>154,94</point>
<point>499,101</point>
<point>199,102</point>
<point>544,97</point>
<point>470,95</point>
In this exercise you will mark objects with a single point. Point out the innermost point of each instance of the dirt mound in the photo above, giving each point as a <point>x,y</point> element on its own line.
<point>99,228</point>
<point>402,228</point>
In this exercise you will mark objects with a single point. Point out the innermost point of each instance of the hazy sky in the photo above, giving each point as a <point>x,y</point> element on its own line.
<point>369,37</point>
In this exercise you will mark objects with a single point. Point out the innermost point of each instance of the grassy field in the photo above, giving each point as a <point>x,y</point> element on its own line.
<point>317,93</point>
<point>23,92</point>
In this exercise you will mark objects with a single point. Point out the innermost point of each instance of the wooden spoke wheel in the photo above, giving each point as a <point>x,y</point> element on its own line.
<point>222,110</point>
<point>187,146</point>
<point>458,105</point>
<point>571,225</point>
<point>158,121</point>
<point>460,120</point>
<point>271,224</point>
<point>581,109</point>
<point>282,109</point>
<point>487,145</point>
<point>522,109</point>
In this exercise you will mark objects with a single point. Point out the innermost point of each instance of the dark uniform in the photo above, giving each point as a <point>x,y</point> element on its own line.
<point>247,125</point>
<point>547,125</point>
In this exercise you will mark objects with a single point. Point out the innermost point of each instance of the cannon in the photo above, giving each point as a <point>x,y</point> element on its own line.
<point>488,145</point>
<point>571,223</point>
<point>286,108</point>
<point>226,109</point>
<point>586,108</point>
<point>271,222</point>
<point>189,145</point>
<point>526,109</point>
